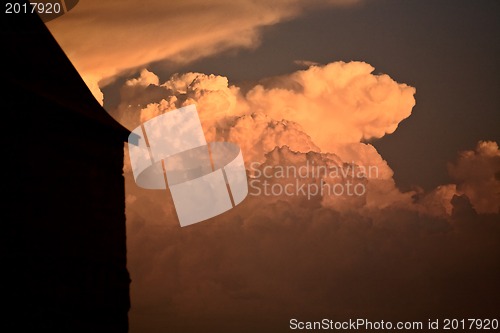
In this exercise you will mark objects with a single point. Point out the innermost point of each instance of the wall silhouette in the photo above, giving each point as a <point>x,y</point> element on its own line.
<point>63,248</point>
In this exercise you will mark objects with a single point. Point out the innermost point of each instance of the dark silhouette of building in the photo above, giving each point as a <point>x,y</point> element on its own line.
<point>63,257</point>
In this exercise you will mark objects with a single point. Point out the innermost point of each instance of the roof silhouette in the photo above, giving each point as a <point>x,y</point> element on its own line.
<point>39,65</point>
<point>64,236</point>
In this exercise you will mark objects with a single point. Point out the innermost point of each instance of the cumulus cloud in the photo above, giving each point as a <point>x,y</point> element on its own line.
<point>103,38</point>
<point>324,109</point>
<point>338,103</point>
<point>477,174</point>
<point>145,79</point>
<point>311,254</point>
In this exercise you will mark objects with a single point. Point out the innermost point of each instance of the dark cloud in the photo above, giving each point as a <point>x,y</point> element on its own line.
<point>265,262</point>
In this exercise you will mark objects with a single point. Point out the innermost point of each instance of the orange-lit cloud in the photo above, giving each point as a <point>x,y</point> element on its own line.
<point>276,256</point>
<point>336,104</point>
<point>103,38</point>
<point>324,109</point>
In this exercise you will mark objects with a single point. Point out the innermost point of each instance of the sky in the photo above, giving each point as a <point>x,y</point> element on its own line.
<point>407,87</point>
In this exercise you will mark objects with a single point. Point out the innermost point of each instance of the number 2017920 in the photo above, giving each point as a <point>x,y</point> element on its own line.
<point>33,7</point>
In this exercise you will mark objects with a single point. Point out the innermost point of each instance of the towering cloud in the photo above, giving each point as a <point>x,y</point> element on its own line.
<point>323,109</point>
<point>326,110</point>
<point>337,103</point>
<point>308,252</point>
